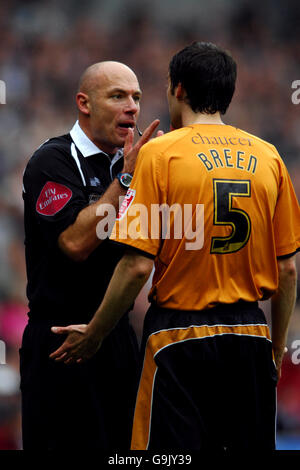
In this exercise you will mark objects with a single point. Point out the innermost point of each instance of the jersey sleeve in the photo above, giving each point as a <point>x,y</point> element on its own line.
<point>286,221</point>
<point>52,191</point>
<point>138,222</point>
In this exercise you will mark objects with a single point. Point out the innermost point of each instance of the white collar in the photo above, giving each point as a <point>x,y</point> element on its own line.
<point>81,140</point>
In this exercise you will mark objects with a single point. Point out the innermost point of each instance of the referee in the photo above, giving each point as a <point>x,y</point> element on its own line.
<point>208,380</point>
<point>66,180</point>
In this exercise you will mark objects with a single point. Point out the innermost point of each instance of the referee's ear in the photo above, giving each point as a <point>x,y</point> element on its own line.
<point>83,103</point>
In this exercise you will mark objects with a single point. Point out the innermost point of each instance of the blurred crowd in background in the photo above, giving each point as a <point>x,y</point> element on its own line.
<point>45,46</point>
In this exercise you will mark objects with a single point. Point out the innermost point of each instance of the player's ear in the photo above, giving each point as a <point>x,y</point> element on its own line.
<point>180,92</point>
<point>83,102</point>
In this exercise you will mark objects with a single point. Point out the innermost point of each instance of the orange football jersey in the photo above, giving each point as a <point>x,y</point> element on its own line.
<point>215,207</point>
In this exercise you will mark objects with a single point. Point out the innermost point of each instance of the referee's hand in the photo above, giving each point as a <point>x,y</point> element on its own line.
<point>79,345</point>
<point>131,151</point>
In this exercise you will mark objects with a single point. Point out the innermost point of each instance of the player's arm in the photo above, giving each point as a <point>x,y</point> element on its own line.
<point>130,275</point>
<point>80,239</point>
<point>282,307</point>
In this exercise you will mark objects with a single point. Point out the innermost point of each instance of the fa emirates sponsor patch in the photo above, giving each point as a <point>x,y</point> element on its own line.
<point>127,201</point>
<point>53,198</point>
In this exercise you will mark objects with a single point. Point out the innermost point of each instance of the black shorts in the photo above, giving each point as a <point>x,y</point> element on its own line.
<point>80,406</point>
<point>208,381</point>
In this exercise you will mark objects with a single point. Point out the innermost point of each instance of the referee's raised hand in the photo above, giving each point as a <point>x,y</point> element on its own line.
<point>131,151</point>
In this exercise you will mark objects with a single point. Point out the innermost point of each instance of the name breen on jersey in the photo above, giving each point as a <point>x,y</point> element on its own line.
<point>224,159</point>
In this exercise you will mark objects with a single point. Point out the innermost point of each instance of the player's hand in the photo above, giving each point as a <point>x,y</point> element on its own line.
<point>80,344</point>
<point>278,357</point>
<point>131,151</point>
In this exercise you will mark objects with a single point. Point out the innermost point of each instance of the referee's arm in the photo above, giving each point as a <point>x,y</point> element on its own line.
<point>80,239</point>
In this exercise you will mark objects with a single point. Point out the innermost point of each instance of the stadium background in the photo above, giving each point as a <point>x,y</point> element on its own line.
<point>44,47</point>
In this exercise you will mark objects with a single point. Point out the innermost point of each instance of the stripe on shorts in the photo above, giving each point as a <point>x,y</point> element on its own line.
<point>157,342</point>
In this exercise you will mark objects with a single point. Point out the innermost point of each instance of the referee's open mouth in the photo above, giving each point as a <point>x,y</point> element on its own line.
<point>125,125</point>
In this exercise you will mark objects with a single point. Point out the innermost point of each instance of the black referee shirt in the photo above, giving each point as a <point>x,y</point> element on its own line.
<point>63,176</point>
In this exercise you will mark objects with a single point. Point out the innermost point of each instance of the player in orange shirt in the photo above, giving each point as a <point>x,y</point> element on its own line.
<point>214,208</point>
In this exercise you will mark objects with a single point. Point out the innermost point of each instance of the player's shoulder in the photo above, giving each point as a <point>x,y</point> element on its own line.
<point>258,141</point>
<point>164,142</point>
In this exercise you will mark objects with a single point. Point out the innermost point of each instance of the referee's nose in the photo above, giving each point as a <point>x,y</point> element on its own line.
<point>132,105</point>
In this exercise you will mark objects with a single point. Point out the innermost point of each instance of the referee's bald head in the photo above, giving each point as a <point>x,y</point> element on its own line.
<point>108,100</point>
<point>93,77</point>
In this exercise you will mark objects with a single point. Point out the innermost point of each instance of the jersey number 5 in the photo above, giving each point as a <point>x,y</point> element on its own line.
<point>224,214</point>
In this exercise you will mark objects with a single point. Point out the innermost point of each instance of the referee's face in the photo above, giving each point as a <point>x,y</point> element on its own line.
<point>114,107</point>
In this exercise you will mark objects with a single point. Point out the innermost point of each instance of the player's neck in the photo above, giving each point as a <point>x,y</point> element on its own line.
<point>189,118</point>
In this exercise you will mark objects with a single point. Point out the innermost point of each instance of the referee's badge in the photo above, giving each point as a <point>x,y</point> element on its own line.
<point>95,181</point>
<point>53,198</point>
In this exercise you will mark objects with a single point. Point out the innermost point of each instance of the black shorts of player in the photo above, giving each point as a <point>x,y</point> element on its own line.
<point>80,406</point>
<point>208,381</point>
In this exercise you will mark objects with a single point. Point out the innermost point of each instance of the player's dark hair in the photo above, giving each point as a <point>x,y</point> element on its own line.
<point>208,75</point>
